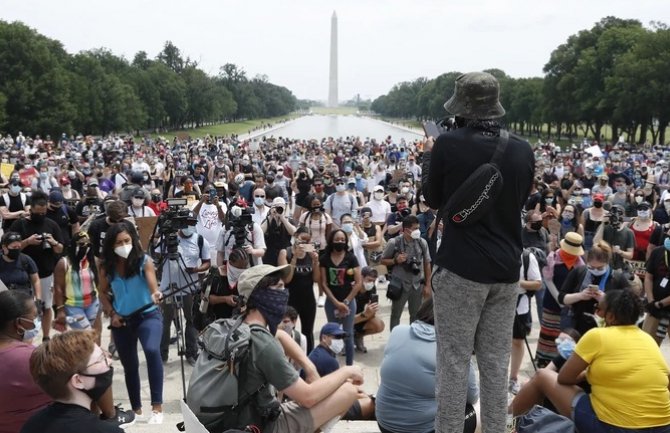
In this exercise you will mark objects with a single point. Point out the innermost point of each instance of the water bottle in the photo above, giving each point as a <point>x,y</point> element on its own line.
<point>74,319</point>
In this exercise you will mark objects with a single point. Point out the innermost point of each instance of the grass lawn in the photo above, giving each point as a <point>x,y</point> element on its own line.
<point>226,128</point>
<point>340,111</point>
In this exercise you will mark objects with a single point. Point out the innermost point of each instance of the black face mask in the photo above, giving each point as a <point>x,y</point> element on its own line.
<point>598,204</point>
<point>271,304</point>
<point>102,383</point>
<point>536,225</point>
<point>339,246</point>
<point>13,253</point>
<point>156,198</point>
<point>37,218</point>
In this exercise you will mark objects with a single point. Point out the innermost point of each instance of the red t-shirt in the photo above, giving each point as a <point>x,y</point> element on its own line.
<point>20,397</point>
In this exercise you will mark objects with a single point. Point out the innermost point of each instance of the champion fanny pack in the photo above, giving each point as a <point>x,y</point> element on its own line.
<point>479,192</point>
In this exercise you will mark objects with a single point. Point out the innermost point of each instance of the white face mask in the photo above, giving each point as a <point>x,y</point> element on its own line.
<point>369,285</point>
<point>336,345</point>
<point>638,199</point>
<point>233,274</point>
<point>123,250</point>
<point>379,195</point>
<point>416,234</point>
<point>138,202</point>
<point>404,190</point>
<point>340,188</point>
<point>188,231</point>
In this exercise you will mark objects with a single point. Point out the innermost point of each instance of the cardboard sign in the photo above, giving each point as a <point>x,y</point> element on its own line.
<point>145,228</point>
<point>6,170</point>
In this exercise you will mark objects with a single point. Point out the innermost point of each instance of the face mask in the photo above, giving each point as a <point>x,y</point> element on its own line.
<point>138,202</point>
<point>337,345</point>
<point>156,198</point>
<point>13,253</point>
<point>379,196</point>
<point>643,214</point>
<point>549,200</point>
<point>404,191</point>
<point>37,218</point>
<point>536,225</point>
<point>286,327</point>
<point>348,227</point>
<point>369,286</point>
<point>567,215</point>
<point>259,201</point>
<point>599,272</point>
<point>597,204</point>
<point>620,189</point>
<point>29,334</point>
<point>416,234</point>
<point>44,175</point>
<point>666,244</point>
<point>339,246</point>
<point>359,176</point>
<point>102,383</point>
<point>271,304</point>
<point>638,199</point>
<point>340,188</point>
<point>123,250</point>
<point>15,189</point>
<point>565,347</point>
<point>188,231</point>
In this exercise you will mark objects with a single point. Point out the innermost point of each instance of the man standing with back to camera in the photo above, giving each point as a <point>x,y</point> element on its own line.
<point>477,267</point>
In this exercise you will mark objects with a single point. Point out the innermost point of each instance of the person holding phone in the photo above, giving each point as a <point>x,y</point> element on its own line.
<point>585,286</point>
<point>366,321</point>
<point>304,272</point>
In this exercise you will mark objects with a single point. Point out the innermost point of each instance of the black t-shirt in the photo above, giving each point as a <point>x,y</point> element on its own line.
<point>16,274</point>
<point>88,206</point>
<point>537,239</point>
<point>65,217</point>
<point>45,258</point>
<point>15,204</point>
<point>657,265</point>
<point>70,418</point>
<point>494,242</point>
<point>97,230</point>
<point>340,277</point>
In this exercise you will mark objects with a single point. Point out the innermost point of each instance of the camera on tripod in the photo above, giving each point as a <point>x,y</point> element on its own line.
<point>240,218</point>
<point>172,219</point>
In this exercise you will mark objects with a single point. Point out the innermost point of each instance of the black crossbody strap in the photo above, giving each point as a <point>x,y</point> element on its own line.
<point>503,139</point>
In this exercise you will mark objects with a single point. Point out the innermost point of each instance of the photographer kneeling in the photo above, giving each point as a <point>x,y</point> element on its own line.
<point>182,275</point>
<point>408,254</point>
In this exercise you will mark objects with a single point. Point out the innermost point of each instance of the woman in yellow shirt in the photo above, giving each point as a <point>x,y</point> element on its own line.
<point>625,368</point>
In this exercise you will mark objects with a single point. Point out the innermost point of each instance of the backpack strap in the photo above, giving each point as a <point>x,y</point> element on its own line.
<point>526,263</point>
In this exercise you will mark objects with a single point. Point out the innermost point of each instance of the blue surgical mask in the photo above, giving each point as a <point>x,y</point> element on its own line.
<point>30,334</point>
<point>599,272</point>
<point>565,347</point>
<point>188,231</point>
<point>666,244</point>
<point>348,227</point>
<point>259,201</point>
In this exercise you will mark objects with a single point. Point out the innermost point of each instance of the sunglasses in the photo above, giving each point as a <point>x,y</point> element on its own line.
<point>259,196</point>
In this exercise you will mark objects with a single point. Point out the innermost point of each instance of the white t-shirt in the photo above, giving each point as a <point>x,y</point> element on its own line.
<point>259,215</point>
<point>533,275</point>
<point>209,225</point>
<point>146,211</point>
<point>380,209</point>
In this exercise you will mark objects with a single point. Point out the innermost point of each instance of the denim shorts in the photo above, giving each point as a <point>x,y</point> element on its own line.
<point>586,420</point>
<point>84,317</point>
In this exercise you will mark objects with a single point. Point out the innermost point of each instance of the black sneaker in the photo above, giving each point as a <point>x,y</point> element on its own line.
<point>122,419</point>
<point>191,361</point>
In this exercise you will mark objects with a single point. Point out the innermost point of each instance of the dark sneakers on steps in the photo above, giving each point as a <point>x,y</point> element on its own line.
<point>122,419</point>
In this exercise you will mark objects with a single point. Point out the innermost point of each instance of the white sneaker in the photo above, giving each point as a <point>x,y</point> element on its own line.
<point>514,386</point>
<point>156,418</point>
<point>321,302</point>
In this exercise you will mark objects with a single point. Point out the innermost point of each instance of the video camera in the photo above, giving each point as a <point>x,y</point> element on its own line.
<point>239,219</point>
<point>175,217</point>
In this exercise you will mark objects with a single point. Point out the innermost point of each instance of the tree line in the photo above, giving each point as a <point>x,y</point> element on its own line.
<point>45,90</point>
<point>614,74</point>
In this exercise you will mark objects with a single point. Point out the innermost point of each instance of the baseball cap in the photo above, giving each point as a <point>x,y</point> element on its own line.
<point>334,329</point>
<point>250,277</point>
<point>378,188</point>
<point>279,202</point>
<point>55,196</point>
<point>93,181</point>
<point>598,197</point>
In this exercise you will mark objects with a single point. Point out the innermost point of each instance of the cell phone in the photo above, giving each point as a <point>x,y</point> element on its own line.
<point>593,287</point>
<point>374,298</point>
<point>431,129</point>
<point>309,248</point>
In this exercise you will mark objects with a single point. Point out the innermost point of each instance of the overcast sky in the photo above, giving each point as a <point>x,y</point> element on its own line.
<point>381,42</point>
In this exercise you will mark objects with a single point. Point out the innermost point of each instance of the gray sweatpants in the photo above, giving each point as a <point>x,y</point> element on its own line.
<point>471,315</point>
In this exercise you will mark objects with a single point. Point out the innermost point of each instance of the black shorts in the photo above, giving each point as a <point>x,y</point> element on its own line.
<point>522,325</point>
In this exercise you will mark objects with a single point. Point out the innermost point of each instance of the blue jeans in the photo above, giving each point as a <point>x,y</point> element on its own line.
<point>586,420</point>
<point>84,316</point>
<point>347,324</point>
<point>148,328</point>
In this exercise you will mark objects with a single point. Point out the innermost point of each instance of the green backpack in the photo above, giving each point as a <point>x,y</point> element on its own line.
<point>213,388</point>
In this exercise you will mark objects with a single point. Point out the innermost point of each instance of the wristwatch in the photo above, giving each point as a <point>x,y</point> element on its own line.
<point>346,302</point>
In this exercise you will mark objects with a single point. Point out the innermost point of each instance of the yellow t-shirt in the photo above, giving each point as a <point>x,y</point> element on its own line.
<point>628,377</point>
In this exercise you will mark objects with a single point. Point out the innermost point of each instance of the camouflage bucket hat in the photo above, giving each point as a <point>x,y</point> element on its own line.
<point>476,96</point>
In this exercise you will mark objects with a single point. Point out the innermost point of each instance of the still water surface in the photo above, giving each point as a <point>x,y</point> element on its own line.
<point>318,126</point>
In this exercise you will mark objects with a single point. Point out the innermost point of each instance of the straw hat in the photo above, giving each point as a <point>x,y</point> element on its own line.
<point>572,244</point>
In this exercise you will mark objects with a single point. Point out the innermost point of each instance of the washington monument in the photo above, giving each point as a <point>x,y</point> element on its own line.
<point>332,88</point>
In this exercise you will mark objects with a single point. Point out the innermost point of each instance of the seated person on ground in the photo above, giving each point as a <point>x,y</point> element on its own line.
<point>366,321</point>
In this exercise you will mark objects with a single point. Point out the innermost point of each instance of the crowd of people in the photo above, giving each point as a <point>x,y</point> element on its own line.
<point>330,224</point>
